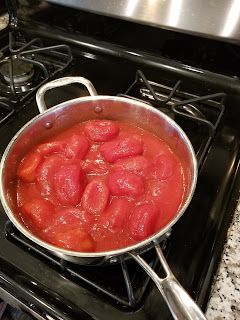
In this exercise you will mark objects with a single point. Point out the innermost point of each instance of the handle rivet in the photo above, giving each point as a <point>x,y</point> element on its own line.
<point>48,125</point>
<point>98,109</point>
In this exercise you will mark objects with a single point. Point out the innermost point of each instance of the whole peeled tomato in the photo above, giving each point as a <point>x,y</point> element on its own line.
<point>124,183</point>
<point>116,214</point>
<point>27,169</point>
<point>95,196</point>
<point>39,212</point>
<point>101,130</point>
<point>51,147</point>
<point>70,217</point>
<point>142,221</point>
<point>138,165</point>
<point>75,239</point>
<point>76,147</point>
<point>46,172</point>
<point>73,147</point>
<point>68,183</point>
<point>121,148</point>
<point>95,167</point>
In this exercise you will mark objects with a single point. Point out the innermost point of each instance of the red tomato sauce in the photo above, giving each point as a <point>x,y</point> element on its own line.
<point>98,186</point>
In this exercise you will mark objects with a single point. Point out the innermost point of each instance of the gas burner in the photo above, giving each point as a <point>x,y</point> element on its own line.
<point>26,65</point>
<point>22,72</point>
<point>17,76</point>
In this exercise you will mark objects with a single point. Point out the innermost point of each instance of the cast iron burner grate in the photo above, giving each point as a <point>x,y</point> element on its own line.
<point>123,284</point>
<point>199,116</point>
<point>6,110</point>
<point>25,65</point>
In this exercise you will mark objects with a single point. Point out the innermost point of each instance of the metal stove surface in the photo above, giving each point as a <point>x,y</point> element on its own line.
<point>197,239</point>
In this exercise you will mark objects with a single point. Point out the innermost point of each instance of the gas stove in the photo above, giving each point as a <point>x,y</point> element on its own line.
<point>122,58</point>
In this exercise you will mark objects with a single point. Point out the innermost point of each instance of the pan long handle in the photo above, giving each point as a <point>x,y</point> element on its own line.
<point>59,83</point>
<point>179,302</point>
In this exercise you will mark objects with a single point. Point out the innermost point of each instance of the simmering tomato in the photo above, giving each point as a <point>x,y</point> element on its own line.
<point>98,186</point>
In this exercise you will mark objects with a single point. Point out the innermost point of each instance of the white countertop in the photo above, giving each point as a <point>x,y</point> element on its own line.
<point>225,297</point>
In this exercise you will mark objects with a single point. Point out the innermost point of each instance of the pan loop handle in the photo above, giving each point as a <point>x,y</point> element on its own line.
<point>59,83</point>
<point>178,300</point>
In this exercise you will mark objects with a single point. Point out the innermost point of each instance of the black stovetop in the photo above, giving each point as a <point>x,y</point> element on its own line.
<point>62,290</point>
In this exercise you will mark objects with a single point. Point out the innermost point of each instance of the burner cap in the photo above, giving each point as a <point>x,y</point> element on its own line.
<point>22,71</point>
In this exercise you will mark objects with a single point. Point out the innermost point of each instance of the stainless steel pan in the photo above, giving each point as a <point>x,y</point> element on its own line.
<point>63,116</point>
